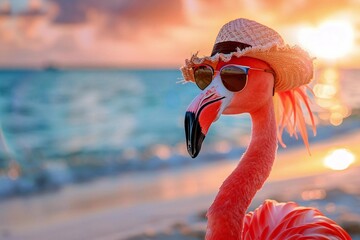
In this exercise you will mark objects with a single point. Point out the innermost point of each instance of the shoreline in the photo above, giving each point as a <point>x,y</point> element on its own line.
<point>144,202</point>
<point>58,172</point>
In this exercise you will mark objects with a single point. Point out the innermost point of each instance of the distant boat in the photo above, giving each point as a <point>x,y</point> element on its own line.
<point>50,68</point>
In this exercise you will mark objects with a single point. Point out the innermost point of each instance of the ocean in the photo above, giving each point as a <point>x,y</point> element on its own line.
<point>65,126</point>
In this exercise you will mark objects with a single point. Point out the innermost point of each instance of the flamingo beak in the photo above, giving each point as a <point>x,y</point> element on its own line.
<point>205,109</point>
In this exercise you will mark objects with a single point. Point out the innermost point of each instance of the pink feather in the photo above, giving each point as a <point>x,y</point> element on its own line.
<point>290,114</point>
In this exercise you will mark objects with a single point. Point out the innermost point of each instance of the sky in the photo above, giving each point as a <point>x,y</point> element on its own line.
<point>162,33</point>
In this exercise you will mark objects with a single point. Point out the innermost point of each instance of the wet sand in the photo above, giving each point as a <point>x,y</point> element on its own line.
<point>170,204</point>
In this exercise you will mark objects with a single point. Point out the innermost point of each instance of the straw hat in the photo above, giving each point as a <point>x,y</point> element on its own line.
<point>242,37</point>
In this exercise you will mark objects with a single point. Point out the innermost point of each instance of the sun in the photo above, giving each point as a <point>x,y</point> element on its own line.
<point>330,40</point>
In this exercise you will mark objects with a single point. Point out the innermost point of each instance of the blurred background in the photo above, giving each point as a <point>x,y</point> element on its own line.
<point>91,116</point>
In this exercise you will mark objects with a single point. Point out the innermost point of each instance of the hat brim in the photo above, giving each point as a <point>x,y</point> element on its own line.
<point>293,66</point>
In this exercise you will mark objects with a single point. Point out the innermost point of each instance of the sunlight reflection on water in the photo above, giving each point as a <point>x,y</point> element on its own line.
<point>328,92</point>
<point>339,159</point>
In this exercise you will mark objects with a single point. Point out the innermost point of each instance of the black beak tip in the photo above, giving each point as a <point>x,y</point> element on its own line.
<point>192,152</point>
<point>193,133</point>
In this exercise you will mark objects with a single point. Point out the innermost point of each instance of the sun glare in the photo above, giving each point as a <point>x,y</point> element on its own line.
<point>330,40</point>
<point>339,159</point>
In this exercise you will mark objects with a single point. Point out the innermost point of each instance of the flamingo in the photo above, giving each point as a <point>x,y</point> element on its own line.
<point>227,218</point>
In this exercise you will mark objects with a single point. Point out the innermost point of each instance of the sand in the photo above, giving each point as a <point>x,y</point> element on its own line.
<point>170,204</point>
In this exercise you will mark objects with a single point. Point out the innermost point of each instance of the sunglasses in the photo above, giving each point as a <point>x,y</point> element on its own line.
<point>234,77</point>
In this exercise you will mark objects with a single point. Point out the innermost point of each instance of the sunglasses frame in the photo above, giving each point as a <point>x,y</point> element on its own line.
<point>244,68</point>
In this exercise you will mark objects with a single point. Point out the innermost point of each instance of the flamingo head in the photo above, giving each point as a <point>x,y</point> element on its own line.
<point>216,99</point>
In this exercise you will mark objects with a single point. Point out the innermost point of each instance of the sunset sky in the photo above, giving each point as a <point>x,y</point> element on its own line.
<point>162,33</point>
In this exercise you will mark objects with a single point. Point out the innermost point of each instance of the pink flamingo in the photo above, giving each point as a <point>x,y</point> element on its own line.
<point>227,218</point>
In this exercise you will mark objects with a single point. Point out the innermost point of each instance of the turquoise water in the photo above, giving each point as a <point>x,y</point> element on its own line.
<point>74,125</point>
<point>69,111</point>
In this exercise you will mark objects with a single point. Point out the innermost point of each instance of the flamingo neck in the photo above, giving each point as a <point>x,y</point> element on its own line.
<point>225,216</point>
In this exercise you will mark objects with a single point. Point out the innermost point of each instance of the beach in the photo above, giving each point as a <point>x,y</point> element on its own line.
<point>101,123</point>
<point>171,204</point>
<point>93,165</point>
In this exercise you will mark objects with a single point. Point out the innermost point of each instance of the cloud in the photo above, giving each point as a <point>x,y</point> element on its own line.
<point>70,12</point>
<point>121,18</point>
<point>289,12</point>
<point>128,31</point>
<point>277,12</point>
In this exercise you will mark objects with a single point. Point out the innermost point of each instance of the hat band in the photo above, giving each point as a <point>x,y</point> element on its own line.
<point>228,47</point>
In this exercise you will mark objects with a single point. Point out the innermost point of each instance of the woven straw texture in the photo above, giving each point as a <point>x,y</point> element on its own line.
<point>292,65</point>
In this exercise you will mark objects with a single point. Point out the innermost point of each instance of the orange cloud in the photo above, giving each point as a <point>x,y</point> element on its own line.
<point>121,19</point>
<point>143,33</point>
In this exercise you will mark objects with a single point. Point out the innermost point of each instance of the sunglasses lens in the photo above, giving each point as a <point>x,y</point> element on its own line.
<point>203,76</point>
<point>233,78</point>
